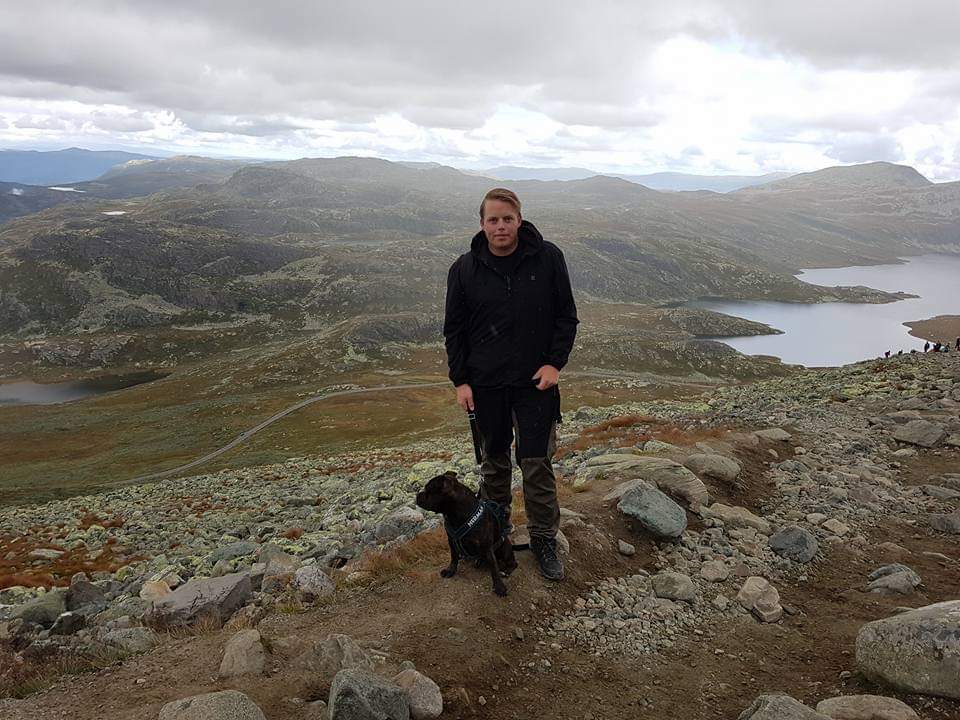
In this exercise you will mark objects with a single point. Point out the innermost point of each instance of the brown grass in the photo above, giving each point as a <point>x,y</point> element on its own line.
<point>24,674</point>
<point>90,519</point>
<point>56,572</point>
<point>428,548</point>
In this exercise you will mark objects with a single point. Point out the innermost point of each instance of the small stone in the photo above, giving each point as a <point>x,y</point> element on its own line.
<point>866,707</point>
<point>714,571</point>
<point>243,655</point>
<point>423,694</point>
<point>625,548</point>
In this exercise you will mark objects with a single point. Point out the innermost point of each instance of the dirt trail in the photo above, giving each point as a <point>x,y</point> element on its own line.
<point>458,633</point>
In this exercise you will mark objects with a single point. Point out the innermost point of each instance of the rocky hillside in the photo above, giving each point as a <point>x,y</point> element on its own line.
<point>778,541</point>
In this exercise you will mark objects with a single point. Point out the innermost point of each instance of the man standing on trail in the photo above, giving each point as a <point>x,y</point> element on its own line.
<point>509,327</point>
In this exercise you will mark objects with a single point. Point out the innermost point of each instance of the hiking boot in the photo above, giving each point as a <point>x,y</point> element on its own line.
<point>545,550</point>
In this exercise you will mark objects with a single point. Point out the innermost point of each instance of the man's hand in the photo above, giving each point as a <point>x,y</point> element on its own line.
<point>465,397</point>
<point>548,376</point>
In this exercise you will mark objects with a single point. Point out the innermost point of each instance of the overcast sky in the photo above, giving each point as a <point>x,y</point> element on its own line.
<point>743,86</point>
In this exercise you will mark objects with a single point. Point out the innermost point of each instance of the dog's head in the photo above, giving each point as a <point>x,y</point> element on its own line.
<point>440,494</point>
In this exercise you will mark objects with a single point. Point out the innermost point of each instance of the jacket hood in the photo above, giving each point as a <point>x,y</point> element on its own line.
<point>530,239</point>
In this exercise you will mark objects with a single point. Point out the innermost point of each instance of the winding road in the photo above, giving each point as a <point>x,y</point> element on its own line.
<point>272,419</point>
<point>309,401</point>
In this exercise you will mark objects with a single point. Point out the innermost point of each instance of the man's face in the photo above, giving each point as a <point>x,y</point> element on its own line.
<point>500,224</point>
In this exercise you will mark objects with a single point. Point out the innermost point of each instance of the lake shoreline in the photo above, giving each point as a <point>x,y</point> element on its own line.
<point>942,328</point>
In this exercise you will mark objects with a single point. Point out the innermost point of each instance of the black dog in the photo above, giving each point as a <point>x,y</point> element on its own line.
<point>475,528</point>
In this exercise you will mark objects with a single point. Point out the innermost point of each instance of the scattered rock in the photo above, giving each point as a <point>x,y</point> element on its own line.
<point>794,543</point>
<point>735,516</point>
<point>131,641</point>
<point>836,527</point>
<point>775,434</point>
<point>625,548</point>
<point>43,610</point>
<point>243,655</point>
<point>920,432</point>
<point>714,466</point>
<point>423,694</point>
<point>312,583</point>
<point>224,705</point>
<point>714,571</point>
<point>865,707</point>
<point>654,511</point>
<point>212,599</point>
<point>944,523</point>
<point>895,579</point>
<point>674,586</point>
<point>779,707</point>
<point>361,695</point>
<point>332,654</point>
<point>761,598</point>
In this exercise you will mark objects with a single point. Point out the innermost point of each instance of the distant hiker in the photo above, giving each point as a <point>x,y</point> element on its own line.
<point>926,346</point>
<point>936,347</point>
<point>886,354</point>
<point>958,344</point>
<point>509,327</point>
<point>900,351</point>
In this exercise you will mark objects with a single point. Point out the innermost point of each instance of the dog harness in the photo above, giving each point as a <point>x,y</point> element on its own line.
<point>457,535</point>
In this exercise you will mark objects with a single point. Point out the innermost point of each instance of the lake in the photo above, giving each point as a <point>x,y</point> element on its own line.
<point>840,333</point>
<point>27,392</point>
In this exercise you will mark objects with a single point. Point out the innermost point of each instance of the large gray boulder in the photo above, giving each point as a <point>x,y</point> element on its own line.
<point>225,705</point>
<point>734,516</point>
<point>920,432</point>
<point>43,610</point>
<point>84,594</point>
<point>361,695</point>
<point>794,543</point>
<point>779,707</point>
<point>946,523</point>
<point>865,707</point>
<point>669,476</point>
<point>714,466</point>
<point>655,512</point>
<point>208,599</point>
<point>332,654</point>
<point>130,641</point>
<point>917,651</point>
<point>232,551</point>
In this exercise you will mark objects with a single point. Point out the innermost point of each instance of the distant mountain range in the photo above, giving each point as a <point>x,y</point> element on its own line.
<point>131,178</point>
<point>668,181</point>
<point>314,241</point>
<point>60,167</point>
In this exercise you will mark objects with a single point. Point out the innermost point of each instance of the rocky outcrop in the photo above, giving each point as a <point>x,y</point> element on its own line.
<point>917,651</point>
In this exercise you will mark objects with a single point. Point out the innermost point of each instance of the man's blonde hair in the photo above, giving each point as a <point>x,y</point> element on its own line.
<point>504,195</point>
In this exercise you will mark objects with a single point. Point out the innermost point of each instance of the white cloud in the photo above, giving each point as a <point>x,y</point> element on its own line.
<point>695,85</point>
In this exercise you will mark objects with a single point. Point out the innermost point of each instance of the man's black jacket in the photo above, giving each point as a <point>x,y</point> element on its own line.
<point>500,330</point>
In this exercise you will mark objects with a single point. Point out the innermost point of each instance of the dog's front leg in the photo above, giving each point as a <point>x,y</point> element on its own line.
<point>498,587</point>
<point>450,570</point>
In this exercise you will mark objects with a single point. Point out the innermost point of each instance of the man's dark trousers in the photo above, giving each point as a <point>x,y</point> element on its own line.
<point>532,415</point>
